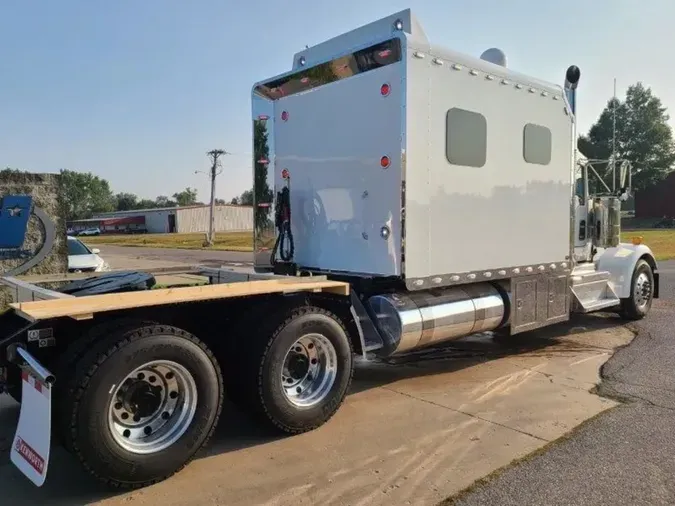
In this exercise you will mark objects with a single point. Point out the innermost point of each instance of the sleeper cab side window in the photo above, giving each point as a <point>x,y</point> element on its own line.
<point>465,138</point>
<point>537,144</point>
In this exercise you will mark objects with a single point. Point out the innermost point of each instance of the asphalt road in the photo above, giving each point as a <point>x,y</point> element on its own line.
<point>130,255</point>
<point>625,455</point>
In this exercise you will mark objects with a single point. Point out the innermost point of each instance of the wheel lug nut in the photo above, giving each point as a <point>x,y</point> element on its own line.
<point>152,379</point>
<point>141,376</point>
<point>298,390</point>
<point>173,394</point>
<point>166,415</point>
<point>310,345</point>
<point>314,361</point>
<point>148,430</point>
<point>126,433</point>
<point>124,416</point>
<point>137,418</point>
<point>169,375</point>
<point>118,405</point>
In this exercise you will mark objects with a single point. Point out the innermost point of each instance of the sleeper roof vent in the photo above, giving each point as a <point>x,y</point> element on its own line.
<point>494,55</point>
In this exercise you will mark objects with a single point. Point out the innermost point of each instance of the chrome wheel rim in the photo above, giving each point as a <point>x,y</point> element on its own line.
<point>309,370</point>
<point>643,290</point>
<point>152,407</point>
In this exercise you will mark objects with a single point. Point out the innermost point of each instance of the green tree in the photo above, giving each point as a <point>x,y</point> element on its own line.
<point>643,136</point>
<point>187,197</point>
<point>85,194</point>
<point>263,192</point>
<point>164,201</point>
<point>146,204</point>
<point>126,201</point>
<point>246,198</point>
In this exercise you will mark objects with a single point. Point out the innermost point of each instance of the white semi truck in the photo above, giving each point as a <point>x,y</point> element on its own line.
<point>405,195</point>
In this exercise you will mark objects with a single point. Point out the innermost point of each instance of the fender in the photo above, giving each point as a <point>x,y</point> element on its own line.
<point>620,262</point>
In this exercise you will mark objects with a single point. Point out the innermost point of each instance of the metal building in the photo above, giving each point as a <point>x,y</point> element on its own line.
<point>189,219</point>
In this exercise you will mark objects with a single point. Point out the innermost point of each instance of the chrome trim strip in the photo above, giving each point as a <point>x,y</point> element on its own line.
<point>464,278</point>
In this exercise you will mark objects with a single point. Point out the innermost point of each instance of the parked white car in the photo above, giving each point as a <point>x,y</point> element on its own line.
<point>83,259</point>
<point>91,231</point>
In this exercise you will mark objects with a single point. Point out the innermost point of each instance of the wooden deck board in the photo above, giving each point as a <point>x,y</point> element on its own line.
<point>85,307</point>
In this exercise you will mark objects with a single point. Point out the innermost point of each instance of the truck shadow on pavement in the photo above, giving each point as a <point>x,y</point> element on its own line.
<point>67,484</point>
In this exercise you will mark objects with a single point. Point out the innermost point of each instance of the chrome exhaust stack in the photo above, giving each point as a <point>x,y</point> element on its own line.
<point>572,77</point>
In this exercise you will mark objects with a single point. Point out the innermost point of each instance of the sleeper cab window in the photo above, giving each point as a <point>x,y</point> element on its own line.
<point>465,138</point>
<point>537,144</point>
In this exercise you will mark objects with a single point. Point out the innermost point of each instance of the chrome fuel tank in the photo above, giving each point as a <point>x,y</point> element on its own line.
<point>410,320</point>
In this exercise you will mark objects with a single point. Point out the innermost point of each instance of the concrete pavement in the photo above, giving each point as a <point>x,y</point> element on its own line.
<point>624,456</point>
<point>410,432</point>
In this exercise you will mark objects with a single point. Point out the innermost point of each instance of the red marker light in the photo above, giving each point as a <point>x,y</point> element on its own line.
<point>263,117</point>
<point>285,174</point>
<point>304,80</point>
<point>385,53</point>
<point>384,162</point>
<point>284,116</point>
<point>385,89</point>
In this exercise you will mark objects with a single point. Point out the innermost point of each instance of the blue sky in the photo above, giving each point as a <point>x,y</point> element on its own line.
<point>137,91</point>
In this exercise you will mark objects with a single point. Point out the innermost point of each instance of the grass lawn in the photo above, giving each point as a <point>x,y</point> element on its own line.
<point>231,241</point>
<point>662,242</point>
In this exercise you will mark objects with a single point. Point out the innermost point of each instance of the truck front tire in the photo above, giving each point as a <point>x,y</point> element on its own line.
<point>295,375</point>
<point>140,404</point>
<point>638,304</point>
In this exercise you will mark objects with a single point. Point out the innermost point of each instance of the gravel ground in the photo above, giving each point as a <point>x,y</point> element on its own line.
<point>624,456</point>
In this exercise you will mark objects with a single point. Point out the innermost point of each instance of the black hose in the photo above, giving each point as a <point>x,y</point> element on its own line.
<point>284,243</point>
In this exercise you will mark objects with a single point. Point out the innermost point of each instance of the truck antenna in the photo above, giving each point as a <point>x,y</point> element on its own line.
<point>614,136</point>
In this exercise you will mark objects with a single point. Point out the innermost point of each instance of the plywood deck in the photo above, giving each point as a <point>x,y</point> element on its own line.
<point>85,307</point>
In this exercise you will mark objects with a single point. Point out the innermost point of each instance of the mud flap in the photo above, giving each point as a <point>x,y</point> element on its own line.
<point>32,441</point>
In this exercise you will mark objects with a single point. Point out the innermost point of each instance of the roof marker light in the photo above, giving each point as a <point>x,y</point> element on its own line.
<point>284,116</point>
<point>385,89</point>
<point>285,174</point>
<point>398,24</point>
<point>384,162</point>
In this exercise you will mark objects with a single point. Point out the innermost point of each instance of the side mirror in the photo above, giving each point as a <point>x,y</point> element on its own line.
<point>95,251</point>
<point>623,173</point>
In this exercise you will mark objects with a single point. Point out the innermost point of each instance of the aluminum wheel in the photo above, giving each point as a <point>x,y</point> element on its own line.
<point>642,293</point>
<point>152,407</point>
<point>310,369</point>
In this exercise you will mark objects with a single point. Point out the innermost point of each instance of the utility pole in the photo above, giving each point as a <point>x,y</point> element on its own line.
<point>214,154</point>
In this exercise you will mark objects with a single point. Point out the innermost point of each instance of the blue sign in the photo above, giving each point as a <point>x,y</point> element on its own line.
<point>15,213</point>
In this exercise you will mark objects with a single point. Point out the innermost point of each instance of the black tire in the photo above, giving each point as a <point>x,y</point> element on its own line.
<point>85,403</point>
<point>631,308</point>
<point>256,385</point>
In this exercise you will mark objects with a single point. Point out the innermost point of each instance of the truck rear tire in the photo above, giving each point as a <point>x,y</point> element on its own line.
<point>639,303</point>
<point>140,404</point>
<point>296,374</point>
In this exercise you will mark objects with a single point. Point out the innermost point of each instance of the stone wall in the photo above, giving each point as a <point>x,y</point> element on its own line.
<point>46,202</point>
